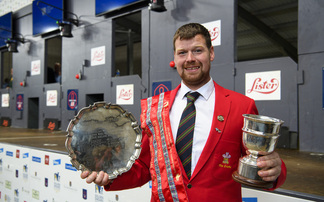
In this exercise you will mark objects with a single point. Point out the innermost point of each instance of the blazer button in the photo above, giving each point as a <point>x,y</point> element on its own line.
<point>189,186</point>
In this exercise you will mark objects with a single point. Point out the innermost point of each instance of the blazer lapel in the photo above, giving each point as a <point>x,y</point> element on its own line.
<point>222,108</point>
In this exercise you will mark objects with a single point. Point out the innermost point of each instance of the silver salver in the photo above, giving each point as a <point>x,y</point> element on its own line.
<point>104,137</point>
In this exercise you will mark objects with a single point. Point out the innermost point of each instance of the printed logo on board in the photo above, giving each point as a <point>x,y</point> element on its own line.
<point>263,85</point>
<point>160,87</point>
<point>46,159</point>
<point>36,159</point>
<point>84,194</point>
<point>57,184</point>
<point>46,182</point>
<point>70,167</point>
<point>51,98</point>
<point>215,30</point>
<point>51,125</point>
<point>125,94</point>
<point>98,56</point>
<point>9,153</point>
<point>25,155</point>
<point>57,162</point>
<point>20,102</point>
<point>5,123</point>
<point>25,172</point>
<point>72,99</point>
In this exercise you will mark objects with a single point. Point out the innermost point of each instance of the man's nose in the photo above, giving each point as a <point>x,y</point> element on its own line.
<point>190,57</point>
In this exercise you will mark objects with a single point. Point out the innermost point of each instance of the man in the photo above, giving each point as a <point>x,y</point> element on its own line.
<point>217,140</point>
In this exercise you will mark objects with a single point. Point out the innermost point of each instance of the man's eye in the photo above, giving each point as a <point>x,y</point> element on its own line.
<point>198,51</point>
<point>181,53</point>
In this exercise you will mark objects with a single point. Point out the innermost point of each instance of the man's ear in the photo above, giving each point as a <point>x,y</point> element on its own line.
<point>211,53</point>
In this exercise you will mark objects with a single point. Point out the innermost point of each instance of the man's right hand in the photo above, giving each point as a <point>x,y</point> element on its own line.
<point>100,178</point>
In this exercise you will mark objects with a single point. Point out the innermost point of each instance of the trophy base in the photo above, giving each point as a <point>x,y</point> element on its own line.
<point>252,183</point>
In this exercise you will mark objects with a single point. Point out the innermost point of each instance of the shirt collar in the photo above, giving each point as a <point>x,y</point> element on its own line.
<point>205,91</point>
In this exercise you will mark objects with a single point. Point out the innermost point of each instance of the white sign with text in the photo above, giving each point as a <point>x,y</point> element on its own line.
<point>35,67</point>
<point>5,100</point>
<point>51,98</point>
<point>263,85</point>
<point>214,29</point>
<point>125,94</point>
<point>98,56</point>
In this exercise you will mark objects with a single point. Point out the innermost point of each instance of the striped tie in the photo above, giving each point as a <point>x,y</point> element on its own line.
<point>185,132</point>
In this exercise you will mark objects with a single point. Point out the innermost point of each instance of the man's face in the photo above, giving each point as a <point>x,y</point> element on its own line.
<point>192,59</point>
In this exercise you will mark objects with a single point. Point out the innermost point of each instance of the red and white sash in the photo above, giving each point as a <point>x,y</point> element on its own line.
<point>167,181</point>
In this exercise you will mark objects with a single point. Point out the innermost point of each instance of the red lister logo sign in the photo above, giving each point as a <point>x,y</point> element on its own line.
<point>263,85</point>
<point>214,33</point>
<point>51,125</point>
<point>125,94</point>
<point>98,56</point>
<point>5,123</point>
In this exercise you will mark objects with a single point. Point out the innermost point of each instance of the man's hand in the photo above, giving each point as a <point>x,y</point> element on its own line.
<point>270,165</point>
<point>100,178</point>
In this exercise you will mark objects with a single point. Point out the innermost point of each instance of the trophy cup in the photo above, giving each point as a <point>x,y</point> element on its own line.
<point>103,137</point>
<point>260,133</point>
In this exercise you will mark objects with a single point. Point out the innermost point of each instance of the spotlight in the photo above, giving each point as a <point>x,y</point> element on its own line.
<point>157,5</point>
<point>12,45</point>
<point>65,28</point>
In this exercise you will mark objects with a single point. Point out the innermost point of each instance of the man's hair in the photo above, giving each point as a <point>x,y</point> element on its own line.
<point>189,31</point>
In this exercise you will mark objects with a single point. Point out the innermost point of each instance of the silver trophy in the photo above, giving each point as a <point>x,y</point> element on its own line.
<point>104,137</point>
<point>260,133</point>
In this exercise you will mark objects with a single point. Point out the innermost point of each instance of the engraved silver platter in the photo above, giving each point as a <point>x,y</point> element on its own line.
<point>103,137</point>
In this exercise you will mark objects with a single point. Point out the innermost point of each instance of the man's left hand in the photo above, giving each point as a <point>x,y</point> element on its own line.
<point>270,165</point>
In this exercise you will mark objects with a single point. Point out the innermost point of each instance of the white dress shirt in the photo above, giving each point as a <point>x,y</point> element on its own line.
<point>204,116</point>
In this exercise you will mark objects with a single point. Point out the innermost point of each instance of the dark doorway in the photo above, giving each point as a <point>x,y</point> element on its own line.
<point>33,112</point>
<point>92,98</point>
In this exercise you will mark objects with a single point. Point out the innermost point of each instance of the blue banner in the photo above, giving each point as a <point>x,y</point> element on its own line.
<point>5,28</point>
<point>45,16</point>
<point>105,6</point>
